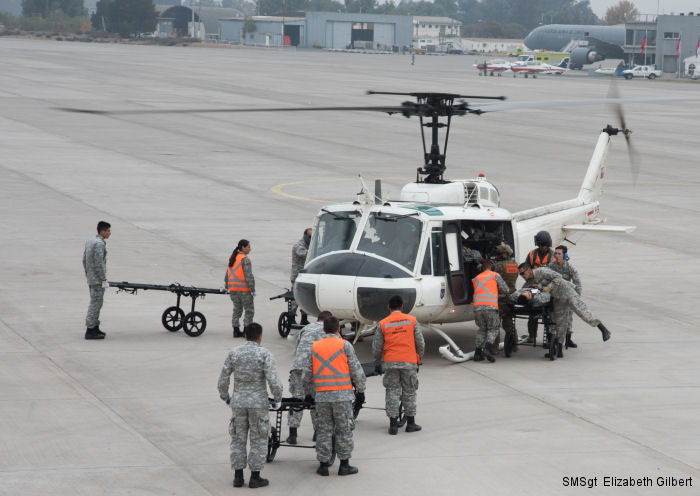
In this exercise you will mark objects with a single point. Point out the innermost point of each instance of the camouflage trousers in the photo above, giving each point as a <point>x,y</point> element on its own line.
<point>563,318</point>
<point>489,324</point>
<point>570,301</point>
<point>334,418</point>
<point>296,389</point>
<point>505,311</point>
<point>401,386</point>
<point>242,300</point>
<point>97,293</point>
<point>253,421</point>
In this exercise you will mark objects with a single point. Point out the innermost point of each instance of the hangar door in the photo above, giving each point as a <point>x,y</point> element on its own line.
<point>384,35</point>
<point>338,34</point>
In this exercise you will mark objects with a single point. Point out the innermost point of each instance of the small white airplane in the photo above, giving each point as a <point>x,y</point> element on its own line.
<point>535,68</point>
<point>494,66</point>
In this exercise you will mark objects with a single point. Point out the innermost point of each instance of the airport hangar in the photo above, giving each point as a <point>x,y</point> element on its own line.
<point>323,30</point>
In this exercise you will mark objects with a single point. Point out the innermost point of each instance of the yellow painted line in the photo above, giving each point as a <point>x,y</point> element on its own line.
<point>278,188</point>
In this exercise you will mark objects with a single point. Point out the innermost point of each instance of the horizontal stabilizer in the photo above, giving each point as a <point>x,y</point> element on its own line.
<point>599,228</point>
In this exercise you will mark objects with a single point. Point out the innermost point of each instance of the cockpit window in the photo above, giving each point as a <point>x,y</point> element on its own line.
<point>334,231</point>
<point>395,237</point>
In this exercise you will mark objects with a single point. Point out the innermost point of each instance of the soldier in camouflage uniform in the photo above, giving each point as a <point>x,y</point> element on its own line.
<point>299,252</point>
<point>252,366</point>
<point>330,372</point>
<point>488,285</point>
<point>95,266</point>
<point>506,267</point>
<point>562,265</point>
<point>240,283</point>
<point>398,347</point>
<point>539,257</point>
<point>564,298</point>
<point>307,337</point>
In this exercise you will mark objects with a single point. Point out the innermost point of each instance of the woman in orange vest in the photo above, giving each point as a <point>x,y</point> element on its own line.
<point>241,286</point>
<point>541,256</point>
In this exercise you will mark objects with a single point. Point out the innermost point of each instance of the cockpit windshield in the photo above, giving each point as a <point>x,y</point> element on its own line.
<point>396,237</point>
<point>334,231</point>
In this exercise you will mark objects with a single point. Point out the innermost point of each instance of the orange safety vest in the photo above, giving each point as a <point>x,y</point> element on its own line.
<point>485,289</point>
<point>236,277</point>
<point>399,339</point>
<point>331,370</point>
<point>534,259</point>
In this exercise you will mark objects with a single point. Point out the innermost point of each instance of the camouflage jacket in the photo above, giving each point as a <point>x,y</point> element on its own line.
<point>251,366</point>
<point>558,287</point>
<point>95,260</point>
<point>508,270</point>
<point>299,251</point>
<point>569,273</point>
<point>356,374</point>
<point>378,348</point>
<point>307,337</point>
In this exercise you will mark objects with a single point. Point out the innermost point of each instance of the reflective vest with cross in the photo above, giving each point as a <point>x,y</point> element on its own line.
<point>399,338</point>
<point>485,289</point>
<point>535,261</point>
<point>330,365</point>
<point>236,277</point>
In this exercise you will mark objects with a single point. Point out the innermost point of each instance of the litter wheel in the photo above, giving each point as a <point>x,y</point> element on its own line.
<point>402,415</point>
<point>272,444</point>
<point>284,324</point>
<point>172,318</point>
<point>194,324</point>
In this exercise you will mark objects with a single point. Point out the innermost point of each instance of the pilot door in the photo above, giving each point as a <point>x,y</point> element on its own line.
<point>458,278</point>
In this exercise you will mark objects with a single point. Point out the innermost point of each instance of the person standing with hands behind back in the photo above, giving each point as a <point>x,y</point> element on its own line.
<point>95,265</point>
<point>241,286</point>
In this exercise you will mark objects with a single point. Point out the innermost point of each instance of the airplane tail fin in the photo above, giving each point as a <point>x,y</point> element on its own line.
<point>592,186</point>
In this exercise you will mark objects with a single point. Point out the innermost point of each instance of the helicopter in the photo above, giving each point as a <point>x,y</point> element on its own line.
<point>363,252</point>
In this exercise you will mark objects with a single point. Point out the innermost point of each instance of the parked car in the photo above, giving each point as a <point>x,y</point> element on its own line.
<point>644,71</point>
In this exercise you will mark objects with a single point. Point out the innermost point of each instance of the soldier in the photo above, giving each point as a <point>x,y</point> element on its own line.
<point>539,257</point>
<point>562,265</point>
<point>564,299</point>
<point>95,265</point>
<point>506,267</point>
<point>299,252</point>
<point>470,255</point>
<point>328,373</point>
<point>399,345</point>
<point>240,283</point>
<point>251,366</point>
<point>307,337</point>
<point>487,287</point>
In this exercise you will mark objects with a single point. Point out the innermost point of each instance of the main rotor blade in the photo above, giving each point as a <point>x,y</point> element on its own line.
<point>437,95</point>
<point>633,157</point>
<point>389,110</point>
<point>499,107</point>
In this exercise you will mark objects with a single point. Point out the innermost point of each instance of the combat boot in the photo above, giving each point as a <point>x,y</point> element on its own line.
<point>292,439</point>
<point>322,469</point>
<point>515,340</point>
<point>552,353</point>
<point>495,349</point>
<point>256,480</point>
<point>238,480</point>
<point>237,332</point>
<point>486,351</point>
<point>346,468</point>
<point>304,319</point>
<point>94,333</point>
<point>411,425</point>
<point>393,426</point>
<point>478,356</point>
<point>560,353</point>
<point>604,331</point>
<point>569,342</point>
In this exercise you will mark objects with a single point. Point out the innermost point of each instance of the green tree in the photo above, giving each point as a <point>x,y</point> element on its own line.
<point>125,17</point>
<point>620,13</point>
<point>52,8</point>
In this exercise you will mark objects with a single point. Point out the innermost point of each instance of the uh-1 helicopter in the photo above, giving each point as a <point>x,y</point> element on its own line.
<point>365,251</point>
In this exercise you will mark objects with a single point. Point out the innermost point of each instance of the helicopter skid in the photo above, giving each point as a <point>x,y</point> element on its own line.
<point>458,356</point>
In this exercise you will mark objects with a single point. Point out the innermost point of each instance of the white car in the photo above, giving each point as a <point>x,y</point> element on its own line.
<point>644,71</point>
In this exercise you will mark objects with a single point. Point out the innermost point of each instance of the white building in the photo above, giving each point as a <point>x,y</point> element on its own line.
<point>435,27</point>
<point>491,45</point>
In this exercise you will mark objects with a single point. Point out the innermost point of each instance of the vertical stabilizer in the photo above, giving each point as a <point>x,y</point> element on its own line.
<point>592,186</point>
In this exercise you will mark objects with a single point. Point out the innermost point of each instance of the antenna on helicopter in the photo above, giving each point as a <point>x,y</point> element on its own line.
<point>431,107</point>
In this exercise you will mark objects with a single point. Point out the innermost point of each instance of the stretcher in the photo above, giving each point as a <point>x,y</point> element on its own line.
<point>274,440</point>
<point>543,314</point>
<point>285,321</point>
<point>174,318</point>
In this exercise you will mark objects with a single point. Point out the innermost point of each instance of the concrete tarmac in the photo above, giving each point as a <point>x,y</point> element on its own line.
<point>139,413</point>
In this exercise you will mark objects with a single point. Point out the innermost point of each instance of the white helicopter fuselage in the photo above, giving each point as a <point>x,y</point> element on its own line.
<point>363,253</point>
